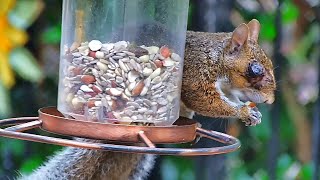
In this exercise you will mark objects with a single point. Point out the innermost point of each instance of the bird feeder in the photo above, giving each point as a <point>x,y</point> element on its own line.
<point>120,80</point>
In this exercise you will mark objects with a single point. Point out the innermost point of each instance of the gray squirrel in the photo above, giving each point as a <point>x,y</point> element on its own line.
<point>222,73</point>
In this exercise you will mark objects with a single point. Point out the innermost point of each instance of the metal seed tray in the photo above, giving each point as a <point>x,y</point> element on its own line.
<point>51,120</point>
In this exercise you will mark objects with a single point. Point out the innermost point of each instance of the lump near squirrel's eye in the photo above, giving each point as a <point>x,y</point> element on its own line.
<point>255,69</point>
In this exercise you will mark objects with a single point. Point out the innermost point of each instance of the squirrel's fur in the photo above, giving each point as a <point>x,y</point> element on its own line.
<point>215,82</point>
<point>216,78</point>
<point>83,164</point>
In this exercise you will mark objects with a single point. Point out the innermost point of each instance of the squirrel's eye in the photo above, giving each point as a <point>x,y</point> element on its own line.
<point>255,69</point>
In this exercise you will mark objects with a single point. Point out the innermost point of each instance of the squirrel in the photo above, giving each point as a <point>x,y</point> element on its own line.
<point>221,72</point>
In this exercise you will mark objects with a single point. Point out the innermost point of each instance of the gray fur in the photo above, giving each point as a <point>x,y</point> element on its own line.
<point>83,164</point>
<point>143,167</point>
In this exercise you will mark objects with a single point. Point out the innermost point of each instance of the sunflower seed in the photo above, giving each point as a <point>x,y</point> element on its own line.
<point>99,54</point>
<point>102,66</point>
<point>95,45</point>
<point>85,88</point>
<point>168,62</point>
<point>175,57</point>
<point>162,101</point>
<point>139,83</point>
<point>147,71</point>
<point>129,53</point>
<point>132,85</point>
<point>144,91</point>
<point>156,80</point>
<point>132,76</point>
<point>114,91</point>
<point>122,66</point>
<point>144,58</point>
<point>156,86</point>
<point>155,73</point>
<point>162,110</point>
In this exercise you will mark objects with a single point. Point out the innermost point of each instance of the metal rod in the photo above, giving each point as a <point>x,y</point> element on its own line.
<point>220,137</point>
<point>19,120</point>
<point>25,126</point>
<point>50,117</point>
<point>145,139</point>
<point>124,148</point>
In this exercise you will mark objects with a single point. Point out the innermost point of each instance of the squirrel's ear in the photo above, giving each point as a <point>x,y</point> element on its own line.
<point>239,37</point>
<point>254,28</point>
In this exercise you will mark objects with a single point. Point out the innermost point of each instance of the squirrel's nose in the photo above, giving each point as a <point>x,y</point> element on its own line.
<point>269,100</point>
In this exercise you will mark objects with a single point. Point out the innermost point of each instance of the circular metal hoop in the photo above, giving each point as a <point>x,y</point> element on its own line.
<point>27,123</point>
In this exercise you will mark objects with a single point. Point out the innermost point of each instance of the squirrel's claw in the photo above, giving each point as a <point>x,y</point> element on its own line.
<point>254,117</point>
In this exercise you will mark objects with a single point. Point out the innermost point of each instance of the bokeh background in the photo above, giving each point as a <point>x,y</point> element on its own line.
<point>284,146</point>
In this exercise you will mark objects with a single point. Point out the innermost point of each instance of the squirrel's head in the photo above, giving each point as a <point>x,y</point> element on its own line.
<point>251,71</point>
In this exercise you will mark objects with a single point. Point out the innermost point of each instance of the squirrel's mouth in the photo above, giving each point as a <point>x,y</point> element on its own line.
<point>249,95</point>
<point>237,96</point>
<point>240,97</point>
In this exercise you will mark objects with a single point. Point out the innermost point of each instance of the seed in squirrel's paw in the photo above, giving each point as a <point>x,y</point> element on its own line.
<point>251,104</point>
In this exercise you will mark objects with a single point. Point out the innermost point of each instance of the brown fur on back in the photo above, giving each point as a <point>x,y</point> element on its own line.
<point>209,58</point>
<point>202,66</point>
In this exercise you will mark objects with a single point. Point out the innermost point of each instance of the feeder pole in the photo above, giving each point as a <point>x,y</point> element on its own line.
<point>273,151</point>
<point>316,117</point>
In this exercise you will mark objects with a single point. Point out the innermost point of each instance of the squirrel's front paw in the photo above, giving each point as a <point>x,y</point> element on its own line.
<point>252,116</point>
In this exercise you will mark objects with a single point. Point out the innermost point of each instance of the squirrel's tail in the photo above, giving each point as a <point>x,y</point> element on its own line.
<point>83,164</point>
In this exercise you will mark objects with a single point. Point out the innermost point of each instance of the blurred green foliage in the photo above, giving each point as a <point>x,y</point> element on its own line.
<point>25,65</point>
<point>5,106</point>
<point>51,35</point>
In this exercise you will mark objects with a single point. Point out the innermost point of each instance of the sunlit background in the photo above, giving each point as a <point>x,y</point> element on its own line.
<point>284,146</point>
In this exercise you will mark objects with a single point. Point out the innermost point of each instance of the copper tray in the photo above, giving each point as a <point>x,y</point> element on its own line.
<point>51,120</point>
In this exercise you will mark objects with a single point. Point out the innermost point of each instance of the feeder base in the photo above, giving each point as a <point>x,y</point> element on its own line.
<point>53,121</point>
<point>184,130</point>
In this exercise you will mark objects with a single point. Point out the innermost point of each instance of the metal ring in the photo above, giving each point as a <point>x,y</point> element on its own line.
<point>31,123</point>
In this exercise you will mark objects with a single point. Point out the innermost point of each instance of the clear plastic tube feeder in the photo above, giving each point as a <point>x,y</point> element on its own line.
<point>121,60</point>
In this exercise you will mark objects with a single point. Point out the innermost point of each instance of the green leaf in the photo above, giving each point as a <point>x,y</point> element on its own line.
<point>30,164</point>
<point>300,54</point>
<point>177,168</point>
<point>288,130</point>
<point>25,65</point>
<point>25,13</point>
<point>306,172</point>
<point>51,35</point>
<point>168,169</point>
<point>268,30</point>
<point>5,105</point>
<point>15,146</point>
<point>284,162</point>
<point>289,12</point>
<point>261,174</point>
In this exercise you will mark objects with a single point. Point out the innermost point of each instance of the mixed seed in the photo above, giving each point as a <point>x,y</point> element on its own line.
<point>120,82</point>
